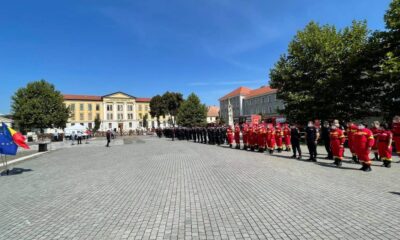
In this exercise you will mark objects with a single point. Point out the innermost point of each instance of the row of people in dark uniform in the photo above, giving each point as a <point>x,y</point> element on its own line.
<point>215,135</point>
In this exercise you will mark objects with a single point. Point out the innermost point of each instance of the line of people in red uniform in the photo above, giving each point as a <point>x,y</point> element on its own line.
<point>360,140</point>
<point>261,137</point>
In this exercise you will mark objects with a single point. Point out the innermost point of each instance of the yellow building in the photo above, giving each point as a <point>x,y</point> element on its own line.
<point>119,111</point>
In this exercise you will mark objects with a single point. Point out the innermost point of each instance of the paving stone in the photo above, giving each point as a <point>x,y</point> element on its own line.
<point>160,189</point>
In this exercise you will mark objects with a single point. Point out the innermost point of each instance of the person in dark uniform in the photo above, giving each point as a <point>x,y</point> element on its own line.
<point>218,135</point>
<point>210,134</point>
<point>108,136</point>
<point>312,136</point>
<point>325,135</point>
<point>295,140</point>
<point>204,135</point>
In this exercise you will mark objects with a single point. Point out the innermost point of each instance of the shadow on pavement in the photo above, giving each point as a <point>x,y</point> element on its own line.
<point>395,193</point>
<point>333,166</point>
<point>14,171</point>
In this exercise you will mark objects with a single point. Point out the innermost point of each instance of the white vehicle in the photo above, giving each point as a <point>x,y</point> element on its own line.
<point>76,128</point>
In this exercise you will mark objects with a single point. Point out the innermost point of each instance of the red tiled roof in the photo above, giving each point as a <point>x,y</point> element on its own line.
<point>81,97</point>
<point>213,111</point>
<point>143,99</point>
<point>260,91</point>
<point>238,91</point>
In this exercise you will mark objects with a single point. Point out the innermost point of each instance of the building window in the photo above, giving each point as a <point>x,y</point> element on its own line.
<point>147,107</point>
<point>98,115</point>
<point>120,116</point>
<point>140,115</point>
<point>97,107</point>
<point>72,107</point>
<point>89,116</point>
<point>140,107</point>
<point>130,125</point>
<point>72,116</point>
<point>130,116</point>
<point>130,107</point>
<point>109,116</point>
<point>89,107</point>
<point>110,125</point>
<point>81,107</point>
<point>81,116</point>
<point>120,107</point>
<point>109,107</point>
<point>82,124</point>
<point>72,124</point>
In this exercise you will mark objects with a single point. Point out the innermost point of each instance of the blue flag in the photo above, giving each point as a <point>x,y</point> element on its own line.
<point>7,145</point>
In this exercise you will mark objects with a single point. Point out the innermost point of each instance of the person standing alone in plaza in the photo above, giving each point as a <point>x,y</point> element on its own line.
<point>312,136</point>
<point>79,137</point>
<point>108,136</point>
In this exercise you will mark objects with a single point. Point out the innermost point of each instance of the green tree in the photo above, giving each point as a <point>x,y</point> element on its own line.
<point>322,76</point>
<point>97,124</point>
<point>389,76</point>
<point>172,101</point>
<point>157,108</point>
<point>191,112</point>
<point>39,105</point>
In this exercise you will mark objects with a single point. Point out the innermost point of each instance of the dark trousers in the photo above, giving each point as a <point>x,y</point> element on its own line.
<point>79,140</point>
<point>312,148</point>
<point>108,142</point>
<point>296,148</point>
<point>328,148</point>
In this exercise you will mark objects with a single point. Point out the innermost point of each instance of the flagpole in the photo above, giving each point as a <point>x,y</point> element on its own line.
<point>5,159</point>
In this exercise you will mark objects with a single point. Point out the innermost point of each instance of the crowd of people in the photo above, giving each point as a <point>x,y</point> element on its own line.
<point>279,137</point>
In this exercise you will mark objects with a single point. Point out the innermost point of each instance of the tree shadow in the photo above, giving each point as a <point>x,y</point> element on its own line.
<point>14,171</point>
<point>395,193</point>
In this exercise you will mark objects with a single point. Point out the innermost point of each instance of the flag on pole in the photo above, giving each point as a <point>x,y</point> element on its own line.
<point>18,138</point>
<point>7,144</point>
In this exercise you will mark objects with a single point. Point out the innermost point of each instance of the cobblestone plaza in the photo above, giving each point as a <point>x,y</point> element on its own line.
<point>159,189</point>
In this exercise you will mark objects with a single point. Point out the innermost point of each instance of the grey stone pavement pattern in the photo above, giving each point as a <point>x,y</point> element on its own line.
<point>159,189</point>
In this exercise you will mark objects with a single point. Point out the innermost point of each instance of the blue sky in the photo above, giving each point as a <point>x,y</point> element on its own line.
<point>148,47</point>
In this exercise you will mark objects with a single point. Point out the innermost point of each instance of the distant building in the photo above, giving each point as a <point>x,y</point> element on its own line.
<point>7,121</point>
<point>262,101</point>
<point>246,101</point>
<point>235,98</point>
<point>212,114</point>
<point>118,110</point>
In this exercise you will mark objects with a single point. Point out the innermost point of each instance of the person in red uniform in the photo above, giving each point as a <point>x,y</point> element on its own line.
<point>250,136</point>
<point>237,136</point>
<point>245,135</point>
<point>363,142</point>
<point>229,136</point>
<point>278,137</point>
<point>350,131</point>
<point>396,133</point>
<point>254,135</point>
<point>286,137</point>
<point>384,140</point>
<point>262,135</point>
<point>337,139</point>
<point>376,129</point>
<point>271,138</point>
